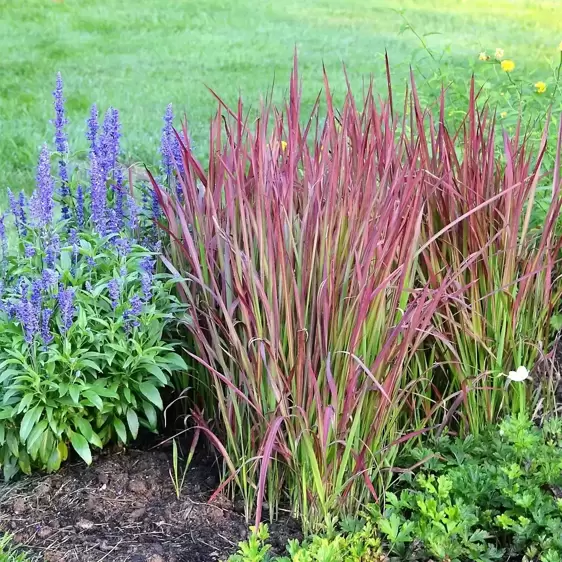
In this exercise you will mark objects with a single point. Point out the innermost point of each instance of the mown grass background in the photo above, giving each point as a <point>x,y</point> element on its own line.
<point>139,55</point>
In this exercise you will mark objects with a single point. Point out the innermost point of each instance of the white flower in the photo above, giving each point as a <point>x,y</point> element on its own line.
<point>499,54</point>
<point>520,375</point>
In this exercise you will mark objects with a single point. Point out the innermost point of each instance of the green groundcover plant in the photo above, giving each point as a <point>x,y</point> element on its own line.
<point>82,309</point>
<point>492,497</point>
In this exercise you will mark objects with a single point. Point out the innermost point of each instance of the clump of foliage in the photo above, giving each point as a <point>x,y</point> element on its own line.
<point>355,541</point>
<point>485,498</point>
<point>8,553</point>
<point>82,309</point>
<point>357,279</point>
<point>495,496</point>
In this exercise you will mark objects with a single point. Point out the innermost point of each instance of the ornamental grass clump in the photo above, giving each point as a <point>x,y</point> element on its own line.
<point>83,308</point>
<point>299,246</point>
<point>350,280</point>
<point>508,266</point>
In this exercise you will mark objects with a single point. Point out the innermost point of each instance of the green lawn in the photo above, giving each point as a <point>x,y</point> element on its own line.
<point>139,55</point>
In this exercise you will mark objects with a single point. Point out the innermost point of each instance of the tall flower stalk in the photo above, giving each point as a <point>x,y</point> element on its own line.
<point>61,146</point>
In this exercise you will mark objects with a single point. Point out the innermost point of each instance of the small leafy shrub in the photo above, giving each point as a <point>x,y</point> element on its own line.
<point>494,496</point>
<point>359,544</point>
<point>82,310</point>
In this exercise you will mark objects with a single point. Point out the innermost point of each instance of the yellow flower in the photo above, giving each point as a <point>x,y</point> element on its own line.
<point>499,53</point>
<point>503,114</point>
<point>541,87</point>
<point>483,56</point>
<point>507,65</point>
<point>283,145</point>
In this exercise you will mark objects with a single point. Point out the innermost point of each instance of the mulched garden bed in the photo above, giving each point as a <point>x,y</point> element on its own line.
<point>124,508</point>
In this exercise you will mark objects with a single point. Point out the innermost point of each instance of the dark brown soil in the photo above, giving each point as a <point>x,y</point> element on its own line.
<point>124,508</point>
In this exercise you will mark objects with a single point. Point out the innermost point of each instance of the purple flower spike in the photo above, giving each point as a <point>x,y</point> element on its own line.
<point>61,145</point>
<point>37,294</point>
<point>60,121</point>
<point>98,195</point>
<point>67,308</point>
<point>50,278</point>
<point>29,251</point>
<point>133,222</point>
<point>52,251</point>
<point>155,205</point>
<point>147,268</point>
<point>22,219</point>
<point>177,152</point>
<point>42,203</point>
<point>46,335</point>
<point>27,314</point>
<point>123,246</point>
<point>80,206</point>
<point>3,242</point>
<point>108,148</point>
<point>119,199</point>
<point>92,132</point>
<point>114,292</point>
<point>132,313</point>
<point>166,144</point>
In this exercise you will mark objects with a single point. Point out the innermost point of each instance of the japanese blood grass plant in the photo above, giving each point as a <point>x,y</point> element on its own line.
<point>509,269</point>
<point>300,245</point>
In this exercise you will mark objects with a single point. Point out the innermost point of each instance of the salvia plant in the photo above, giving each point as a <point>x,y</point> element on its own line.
<point>83,308</point>
<point>356,280</point>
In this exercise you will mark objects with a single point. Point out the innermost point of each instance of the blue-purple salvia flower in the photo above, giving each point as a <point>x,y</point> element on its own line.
<point>119,191</point>
<point>22,219</point>
<point>50,278</point>
<point>46,335</point>
<point>75,242</point>
<point>114,292</point>
<point>79,208</point>
<point>147,269</point>
<point>166,144</point>
<point>112,223</point>
<point>155,205</point>
<point>42,202</point>
<point>17,206</point>
<point>37,293</point>
<point>123,246</point>
<point>146,286</point>
<point>92,131</point>
<point>29,251</point>
<point>177,151</point>
<point>108,147</point>
<point>98,195</point>
<point>52,251</point>
<point>131,315</point>
<point>133,213</point>
<point>60,120</point>
<point>67,308</point>
<point>61,145</point>
<point>26,314</point>
<point>3,242</point>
